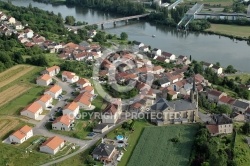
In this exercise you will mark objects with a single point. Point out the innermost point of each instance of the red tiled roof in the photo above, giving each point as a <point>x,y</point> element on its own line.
<point>214,92</point>
<point>53,142</point>
<point>213,129</point>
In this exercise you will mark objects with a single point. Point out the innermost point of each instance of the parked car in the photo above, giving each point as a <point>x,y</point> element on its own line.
<point>49,107</point>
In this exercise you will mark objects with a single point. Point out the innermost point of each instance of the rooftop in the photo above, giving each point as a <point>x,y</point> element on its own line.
<point>103,149</point>
<point>53,142</point>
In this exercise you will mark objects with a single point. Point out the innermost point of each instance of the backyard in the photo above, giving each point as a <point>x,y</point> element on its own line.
<point>27,153</point>
<point>168,145</point>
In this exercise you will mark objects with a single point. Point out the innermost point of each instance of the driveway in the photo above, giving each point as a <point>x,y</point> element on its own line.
<point>204,117</point>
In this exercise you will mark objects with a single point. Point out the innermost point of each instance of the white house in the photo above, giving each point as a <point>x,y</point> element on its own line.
<point>11,20</point>
<point>54,91</point>
<point>137,45</point>
<point>71,109</point>
<point>207,65</point>
<point>21,135</point>
<point>217,69</point>
<point>169,56</point>
<point>52,71</point>
<point>84,100</point>
<point>62,123</point>
<point>28,33</point>
<point>156,51</point>
<point>111,114</point>
<point>82,82</point>
<point>89,89</point>
<point>45,100</point>
<point>3,17</point>
<point>44,80</point>
<point>52,145</point>
<point>18,25</point>
<point>69,77</point>
<point>32,111</point>
<point>158,70</point>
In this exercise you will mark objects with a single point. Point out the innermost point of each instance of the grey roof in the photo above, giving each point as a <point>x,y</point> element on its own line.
<point>100,126</point>
<point>182,105</point>
<point>160,105</point>
<point>177,105</point>
<point>241,104</point>
<point>163,80</point>
<point>137,43</point>
<point>220,119</point>
<point>103,150</point>
<point>188,87</point>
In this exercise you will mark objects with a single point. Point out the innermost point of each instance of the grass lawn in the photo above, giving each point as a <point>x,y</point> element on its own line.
<point>244,77</point>
<point>53,59</point>
<point>235,30</point>
<point>99,103</point>
<point>155,146</point>
<point>80,132</point>
<point>132,139</point>
<point>16,155</point>
<point>15,106</point>
<point>241,148</point>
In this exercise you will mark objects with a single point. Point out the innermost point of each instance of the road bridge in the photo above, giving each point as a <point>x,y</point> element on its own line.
<point>114,21</point>
<point>172,6</point>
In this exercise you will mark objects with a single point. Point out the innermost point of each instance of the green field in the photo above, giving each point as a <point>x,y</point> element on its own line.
<point>231,30</point>
<point>155,147</point>
<point>243,77</point>
<point>15,106</point>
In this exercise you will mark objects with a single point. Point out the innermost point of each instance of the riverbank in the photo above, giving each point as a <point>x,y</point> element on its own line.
<point>231,31</point>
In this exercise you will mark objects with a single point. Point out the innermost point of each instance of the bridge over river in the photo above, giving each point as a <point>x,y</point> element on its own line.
<point>111,21</point>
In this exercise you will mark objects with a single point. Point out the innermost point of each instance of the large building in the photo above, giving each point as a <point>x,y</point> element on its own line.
<point>175,112</point>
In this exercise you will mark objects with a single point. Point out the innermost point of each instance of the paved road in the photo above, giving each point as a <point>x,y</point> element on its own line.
<point>87,145</point>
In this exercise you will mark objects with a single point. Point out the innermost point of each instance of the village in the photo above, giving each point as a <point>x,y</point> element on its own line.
<point>168,95</point>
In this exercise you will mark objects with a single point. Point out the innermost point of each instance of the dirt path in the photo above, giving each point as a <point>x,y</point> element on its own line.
<point>11,93</point>
<point>14,73</point>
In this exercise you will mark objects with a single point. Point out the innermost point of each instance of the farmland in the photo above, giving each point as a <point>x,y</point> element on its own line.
<point>7,95</point>
<point>7,125</point>
<point>14,73</point>
<point>156,146</point>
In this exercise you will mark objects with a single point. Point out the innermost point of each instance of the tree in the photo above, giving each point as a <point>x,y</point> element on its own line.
<point>70,20</point>
<point>217,63</point>
<point>246,128</point>
<point>90,160</point>
<point>230,69</point>
<point>124,36</point>
<point>190,58</point>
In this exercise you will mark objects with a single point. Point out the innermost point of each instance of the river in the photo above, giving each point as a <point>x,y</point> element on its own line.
<point>202,47</point>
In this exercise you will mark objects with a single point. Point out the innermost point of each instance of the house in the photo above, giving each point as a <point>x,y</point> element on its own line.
<point>18,25</point>
<point>173,112</point>
<point>88,89</point>
<point>162,59</point>
<point>69,77</point>
<point>111,114</point>
<point>186,89</point>
<point>156,52</point>
<point>214,95</point>
<point>172,95</point>
<point>101,128</point>
<point>71,109</point>
<point>169,56</point>
<point>217,69</point>
<point>240,106</point>
<point>84,100</point>
<point>220,124</point>
<point>44,80</point>
<point>247,114</point>
<point>32,111</point>
<point>11,20</point>
<point>137,45</point>
<point>226,100</point>
<point>207,65</point>
<point>52,71</point>
<point>83,82</point>
<point>45,100</point>
<point>164,82</point>
<point>54,91</point>
<point>136,107</point>
<point>21,135</point>
<point>144,49</point>
<point>104,153</point>
<point>62,123</point>
<point>28,33</point>
<point>158,69</point>
<point>3,17</point>
<point>52,145</point>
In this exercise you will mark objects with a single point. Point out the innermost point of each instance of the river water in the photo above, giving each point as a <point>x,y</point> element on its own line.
<point>202,47</point>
